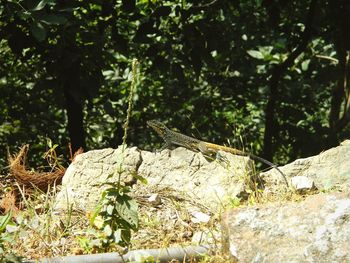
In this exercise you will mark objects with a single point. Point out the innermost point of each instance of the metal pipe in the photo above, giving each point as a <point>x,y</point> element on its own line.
<point>183,254</point>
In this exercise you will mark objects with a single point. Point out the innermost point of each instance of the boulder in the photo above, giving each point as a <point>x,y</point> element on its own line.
<point>314,230</point>
<point>330,170</point>
<point>85,178</point>
<point>211,182</point>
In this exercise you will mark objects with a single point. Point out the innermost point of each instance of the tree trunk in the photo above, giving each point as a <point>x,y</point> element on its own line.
<point>271,125</point>
<point>340,92</point>
<point>75,120</point>
<point>271,128</point>
<point>337,97</point>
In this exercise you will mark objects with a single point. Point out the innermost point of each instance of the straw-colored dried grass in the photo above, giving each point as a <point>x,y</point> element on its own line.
<point>30,179</point>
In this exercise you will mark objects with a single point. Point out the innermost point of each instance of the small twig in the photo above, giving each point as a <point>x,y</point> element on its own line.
<point>328,58</point>
<point>205,5</point>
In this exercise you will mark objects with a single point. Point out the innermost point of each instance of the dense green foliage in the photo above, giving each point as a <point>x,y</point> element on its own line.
<point>271,75</point>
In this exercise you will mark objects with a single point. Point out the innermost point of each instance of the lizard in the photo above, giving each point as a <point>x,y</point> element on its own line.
<point>171,137</point>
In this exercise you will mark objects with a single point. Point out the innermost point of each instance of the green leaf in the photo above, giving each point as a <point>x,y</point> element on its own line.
<point>140,178</point>
<point>258,2</point>
<point>25,15</point>
<point>38,31</point>
<point>127,210</point>
<point>53,19</point>
<point>4,220</point>
<point>305,65</point>
<point>96,212</point>
<point>49,142</point>
<point>126,235</point>
<point>39,6</point>
<point>255,54</point>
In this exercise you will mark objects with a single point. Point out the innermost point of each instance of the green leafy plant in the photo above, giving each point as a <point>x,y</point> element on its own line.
<point>51,156</point>
<point>117,216</point>
<point>117,212</point>
<point>6,237</point>
<point>4,221</point>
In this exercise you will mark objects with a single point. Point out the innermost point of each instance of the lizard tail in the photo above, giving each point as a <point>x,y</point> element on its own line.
<point>257,158</point>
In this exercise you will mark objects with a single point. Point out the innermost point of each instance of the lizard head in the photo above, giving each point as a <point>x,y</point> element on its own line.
<point>158,126</point>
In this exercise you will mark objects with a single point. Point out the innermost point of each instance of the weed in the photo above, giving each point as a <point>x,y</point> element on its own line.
<point>118,215</point>
<point>4,236</point>
<point>117,211</point>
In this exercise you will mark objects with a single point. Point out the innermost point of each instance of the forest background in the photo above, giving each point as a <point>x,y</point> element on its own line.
<point>268,75</point>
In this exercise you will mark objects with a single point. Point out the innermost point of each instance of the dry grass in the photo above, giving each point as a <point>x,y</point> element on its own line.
<point>40,233</point>
<point>21,182</point>
<point>29,178</point>
<point>167,221</point>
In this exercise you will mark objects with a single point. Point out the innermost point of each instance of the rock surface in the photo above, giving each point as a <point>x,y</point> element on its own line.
<point>302,183</point>
<point>190,174</point>
<point>210,182</point>
<point>315,230</point>
<point>330,170</point>
<point>82,184</point>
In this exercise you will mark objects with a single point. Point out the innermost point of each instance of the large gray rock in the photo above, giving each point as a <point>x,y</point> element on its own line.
<point>328,170</point>
<point>315,230</point>
<point>210,182</point>
<point>189,174</point>
<point>83,182</point>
